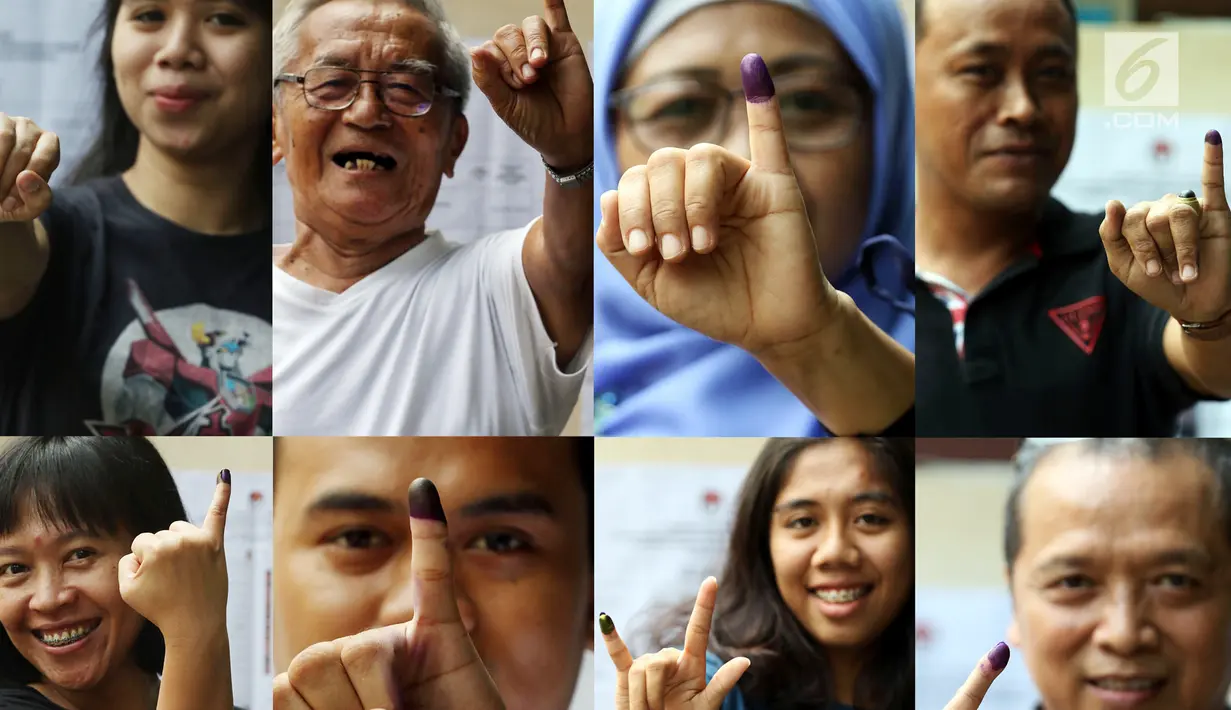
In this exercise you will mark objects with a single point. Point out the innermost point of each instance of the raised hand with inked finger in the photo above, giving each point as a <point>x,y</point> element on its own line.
<point>28,157</point>
<point>177,578</point>
<point>427,662</point>
<point>673,679</point>
<point>1175,252</point>
<point>724,246</point>
<point>536,78</point>
<point>970,695</point>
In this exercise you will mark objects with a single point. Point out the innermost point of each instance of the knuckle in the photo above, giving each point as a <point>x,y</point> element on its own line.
<point>1157,222</point>
<point>633,176</point>
<point>432,574</point>
<point>360,654</point>
<point>311,661</point>
<point>703,153</point>
<point>1185,249</point>
<point>696,206</point>
<point>665,210</point>
<point>665,157</point>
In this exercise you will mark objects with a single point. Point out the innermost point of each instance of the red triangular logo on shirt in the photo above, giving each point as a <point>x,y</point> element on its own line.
<point>1082,321</point>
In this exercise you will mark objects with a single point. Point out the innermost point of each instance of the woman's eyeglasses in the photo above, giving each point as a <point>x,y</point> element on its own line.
<point>404,93</point>
<point>818,114</point>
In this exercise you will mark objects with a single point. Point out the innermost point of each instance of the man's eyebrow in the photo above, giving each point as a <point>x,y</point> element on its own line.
<point>524,503</point>
<point>1189,556</point>
<point>407,65</point>
<point>351,501</point>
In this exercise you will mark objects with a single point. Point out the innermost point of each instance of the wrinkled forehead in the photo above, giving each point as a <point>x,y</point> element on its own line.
<point>366,34</point>
<point>1107,498</point>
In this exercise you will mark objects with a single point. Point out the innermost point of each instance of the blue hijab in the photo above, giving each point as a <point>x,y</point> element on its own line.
<point>654,377</point>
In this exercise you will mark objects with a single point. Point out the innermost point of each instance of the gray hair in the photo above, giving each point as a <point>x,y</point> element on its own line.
<point>455,74</point>
<point>1214,453</point>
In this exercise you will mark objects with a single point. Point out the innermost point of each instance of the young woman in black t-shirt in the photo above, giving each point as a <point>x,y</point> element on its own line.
<point>103,585</point>
<point>136,300</point>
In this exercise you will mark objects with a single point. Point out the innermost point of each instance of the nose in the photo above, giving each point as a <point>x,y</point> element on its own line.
<point>181,47</point>
<point>50,593</point>
<point>835,548</point>
<point>1018,104</point>
<point>1124,627</point>
<point>367,111</point>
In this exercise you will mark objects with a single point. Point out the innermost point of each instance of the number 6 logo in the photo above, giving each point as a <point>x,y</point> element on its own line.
<point>1142,69</point>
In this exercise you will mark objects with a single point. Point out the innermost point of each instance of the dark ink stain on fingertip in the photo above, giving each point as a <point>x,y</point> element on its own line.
<point>424,501</point>
<point>605,624</point>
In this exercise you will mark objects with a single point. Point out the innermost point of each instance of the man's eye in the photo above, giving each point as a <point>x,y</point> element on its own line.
<point>360,539</point>
<point>501,543</point>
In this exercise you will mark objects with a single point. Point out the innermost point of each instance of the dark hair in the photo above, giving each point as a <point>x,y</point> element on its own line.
<point>789,669</point>
<point>1214,453</point>
<point>114,148</point>
<point>115,487</point>
<point>1068,5</point>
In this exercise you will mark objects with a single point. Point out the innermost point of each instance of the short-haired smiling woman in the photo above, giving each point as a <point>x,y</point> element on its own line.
<point>103,585</point>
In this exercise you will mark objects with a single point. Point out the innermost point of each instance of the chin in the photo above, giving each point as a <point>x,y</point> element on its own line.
<point>1016,196</point>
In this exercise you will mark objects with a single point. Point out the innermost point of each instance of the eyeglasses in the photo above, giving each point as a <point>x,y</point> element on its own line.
<point>818,112</point>
<point>404,93</point>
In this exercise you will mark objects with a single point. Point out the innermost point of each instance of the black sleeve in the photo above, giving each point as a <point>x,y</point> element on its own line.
<point>52,324</point>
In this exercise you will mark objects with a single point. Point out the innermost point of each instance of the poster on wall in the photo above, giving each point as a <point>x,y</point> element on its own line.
<point>249,539</point>
<point>659,529</point>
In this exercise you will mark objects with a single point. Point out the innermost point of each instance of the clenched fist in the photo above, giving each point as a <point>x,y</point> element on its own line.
<point>28,157</point>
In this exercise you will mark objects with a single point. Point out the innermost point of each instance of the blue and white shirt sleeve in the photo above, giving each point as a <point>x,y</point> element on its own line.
<point>735,699</point>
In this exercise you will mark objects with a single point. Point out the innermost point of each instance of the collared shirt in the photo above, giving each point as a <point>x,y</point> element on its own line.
<point>1055,345</point>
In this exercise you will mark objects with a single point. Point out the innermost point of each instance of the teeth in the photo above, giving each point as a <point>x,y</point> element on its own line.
<point>1133,684</point>
<point>840,596</point>
<point>64,638</point>
<point>362,164</point>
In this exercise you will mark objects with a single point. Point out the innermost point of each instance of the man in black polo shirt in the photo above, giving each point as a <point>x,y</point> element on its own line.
<point>1023,329</point>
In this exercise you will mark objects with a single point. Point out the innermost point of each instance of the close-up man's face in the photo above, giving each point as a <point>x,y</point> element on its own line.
<point>1122,585</point>
<point>367,203</point>
<point>519,532</point>
<point>996,99</point>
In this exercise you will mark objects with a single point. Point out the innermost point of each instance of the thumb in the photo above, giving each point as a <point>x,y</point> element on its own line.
<point>33,192</point>
<point>486,72</point>
<point>1111,230</point>
<point>127,571</point>
<point>766,139</point>
<point>724,682</point>
<point>215,522</point>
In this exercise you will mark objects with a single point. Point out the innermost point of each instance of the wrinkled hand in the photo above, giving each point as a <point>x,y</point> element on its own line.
<point>428,662</point>
<point>177,578</point>
<point>1174,256</point>
<point>673,679</point>
<point>537,81</point>
<point>28,157</point>
<point>721,244</point>
<point>970,695</point>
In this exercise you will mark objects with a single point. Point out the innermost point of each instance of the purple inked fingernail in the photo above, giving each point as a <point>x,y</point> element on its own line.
<point>424,501</point>
<point>758,86</point>
<point>225,476</point>
<point>999,657</point>
<point>1213,138</point>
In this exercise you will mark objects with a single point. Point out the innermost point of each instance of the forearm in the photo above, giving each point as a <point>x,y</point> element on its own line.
<point>23,259</point>
<point>197,676</point>
<point>1205,365</point>
<point>853,377</point>
<point>559,265</point>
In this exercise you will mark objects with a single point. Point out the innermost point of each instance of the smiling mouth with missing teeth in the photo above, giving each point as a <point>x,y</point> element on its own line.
<point>67,636</point>
<point>364,161</point>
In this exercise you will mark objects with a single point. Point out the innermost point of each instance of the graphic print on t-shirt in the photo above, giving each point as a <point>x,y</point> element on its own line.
<point>1082,321</point>
<point>192,370</point>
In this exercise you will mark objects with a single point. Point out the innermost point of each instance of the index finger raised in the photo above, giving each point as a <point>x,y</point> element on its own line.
<point>1213,185</point>
<point>697,636</point>
<point>215,522</point>
<point>556,16</point>
<point>972,692</point>
<point>431,567</point>
<point>616,648</point>
<point>766,137</point>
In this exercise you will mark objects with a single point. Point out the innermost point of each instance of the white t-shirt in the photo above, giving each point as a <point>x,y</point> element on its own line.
<point>442,341</point>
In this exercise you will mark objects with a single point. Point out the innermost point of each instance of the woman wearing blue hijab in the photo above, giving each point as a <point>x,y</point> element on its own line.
<point>665,71</point>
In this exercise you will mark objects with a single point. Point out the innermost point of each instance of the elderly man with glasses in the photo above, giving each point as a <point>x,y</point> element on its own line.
<point>382,327</point>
